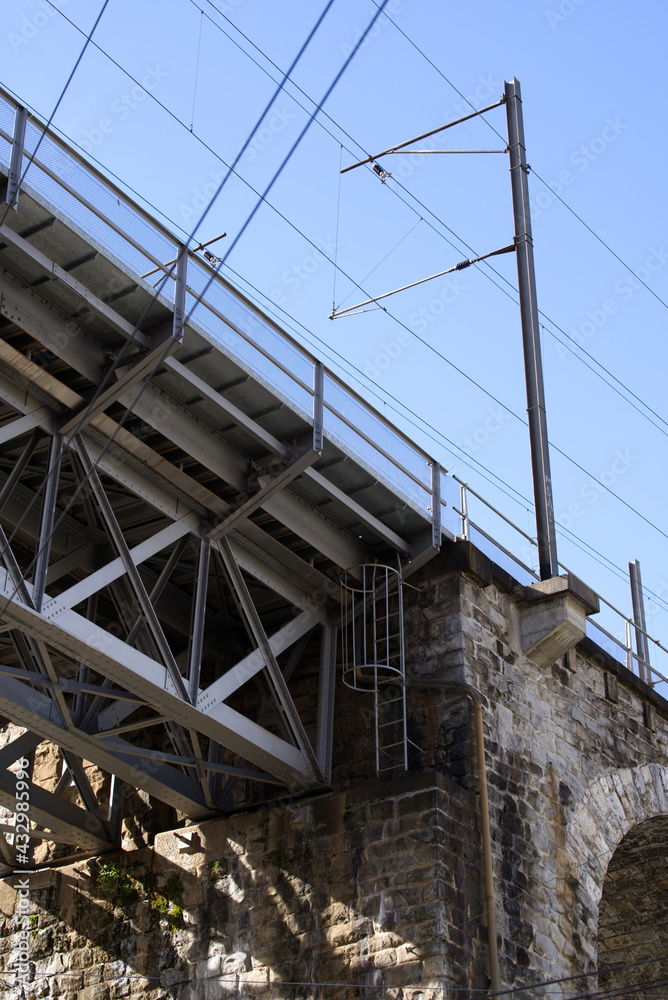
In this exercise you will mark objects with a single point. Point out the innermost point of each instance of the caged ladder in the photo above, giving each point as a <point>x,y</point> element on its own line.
<point>372,633</point>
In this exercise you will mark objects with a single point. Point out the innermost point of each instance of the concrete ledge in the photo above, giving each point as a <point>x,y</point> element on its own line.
<point>554,617</point>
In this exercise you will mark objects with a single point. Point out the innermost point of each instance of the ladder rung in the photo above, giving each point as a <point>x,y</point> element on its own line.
<point>391,767</point>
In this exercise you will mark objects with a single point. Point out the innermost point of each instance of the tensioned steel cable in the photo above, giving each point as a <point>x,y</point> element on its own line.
<point>564,203</point>
<point>156,293</point>
<point>239,234</point>
<point>124,349</point>
<point>488,266</point>
<point>556,448</point>
<point>426,343</point>
<point>401,408</point>
<point>59,101</point>
<point>420,423</point>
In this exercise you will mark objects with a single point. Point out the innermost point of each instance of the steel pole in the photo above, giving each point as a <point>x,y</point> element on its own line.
<point>642,646</point>
<point>533,366</point>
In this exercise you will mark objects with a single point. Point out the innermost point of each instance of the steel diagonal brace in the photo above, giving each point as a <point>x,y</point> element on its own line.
<point>273,669</point>
<point>269,486</point>
<point>161,349</point>
<point>131,570</point>
<point>47,520</point>
<point>115,569</point>
<point>130,377</point>
<point>34,710</point>
<point>29,649</point>
<point>109,656</point>
<point>242,671</point>
<point>73,824</point>
<point>88,796</point>
<point>19,426</point>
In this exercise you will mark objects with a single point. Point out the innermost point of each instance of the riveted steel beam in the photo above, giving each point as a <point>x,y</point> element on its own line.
<point>78,638</point>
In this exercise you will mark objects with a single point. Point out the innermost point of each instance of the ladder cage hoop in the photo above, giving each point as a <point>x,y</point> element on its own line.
<point>372,626</point>
<point>372,646</point>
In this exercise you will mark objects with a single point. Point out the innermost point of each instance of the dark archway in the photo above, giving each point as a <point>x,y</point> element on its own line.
<point>633,913</point>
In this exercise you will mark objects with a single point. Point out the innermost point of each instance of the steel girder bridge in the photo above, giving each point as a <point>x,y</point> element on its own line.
<point>181,487</point>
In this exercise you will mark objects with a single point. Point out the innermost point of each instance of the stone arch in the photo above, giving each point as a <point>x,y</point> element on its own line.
<point>633,911</point>
<point>612,806</point>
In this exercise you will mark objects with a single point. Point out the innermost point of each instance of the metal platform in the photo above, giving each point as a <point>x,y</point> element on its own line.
<point>181,486</point>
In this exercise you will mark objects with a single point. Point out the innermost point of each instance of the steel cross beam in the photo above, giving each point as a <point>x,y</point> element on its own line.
<point>73,824</point>
<point>79,638</point>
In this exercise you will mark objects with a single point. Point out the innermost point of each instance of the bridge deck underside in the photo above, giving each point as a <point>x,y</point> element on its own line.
<point>172,535</point>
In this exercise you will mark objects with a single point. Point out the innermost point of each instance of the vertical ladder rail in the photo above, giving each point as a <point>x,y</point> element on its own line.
<point>373,655</point>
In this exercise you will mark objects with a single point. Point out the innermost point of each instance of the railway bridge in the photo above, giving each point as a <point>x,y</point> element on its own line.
<point>288,720</point>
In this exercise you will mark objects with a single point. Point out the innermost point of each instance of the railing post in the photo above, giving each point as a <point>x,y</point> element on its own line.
<point>629,648</point>
<point>180,293</point>
<point>435,504</point>
<point>11,192</point>
<point>318,406</point>
<point>463,506</point>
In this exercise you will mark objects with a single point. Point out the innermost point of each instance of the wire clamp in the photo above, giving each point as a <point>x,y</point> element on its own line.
<point>382,174</point>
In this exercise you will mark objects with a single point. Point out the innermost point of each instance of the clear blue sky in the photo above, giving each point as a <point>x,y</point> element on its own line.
<point>592,82</point>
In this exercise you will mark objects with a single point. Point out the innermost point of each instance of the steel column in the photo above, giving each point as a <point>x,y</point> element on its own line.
<point>47,520</point>
<point>533,366</point>
<point>198,616</point>
<point>324,740</point>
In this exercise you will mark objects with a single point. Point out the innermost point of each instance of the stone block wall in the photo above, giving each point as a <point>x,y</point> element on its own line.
<point>358,889</point>
<point>377,886</point>
<point>557,738</point>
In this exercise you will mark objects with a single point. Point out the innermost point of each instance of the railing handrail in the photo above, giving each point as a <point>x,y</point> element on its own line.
<point>173,238</point>
<point>370,411</point>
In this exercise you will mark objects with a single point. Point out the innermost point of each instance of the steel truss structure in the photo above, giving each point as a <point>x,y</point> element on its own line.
<point>181,487</point>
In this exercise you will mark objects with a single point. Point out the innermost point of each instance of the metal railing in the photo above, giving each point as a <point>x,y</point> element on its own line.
<point>620,645</point>
<point>106,216</point>
<point>126,233</point>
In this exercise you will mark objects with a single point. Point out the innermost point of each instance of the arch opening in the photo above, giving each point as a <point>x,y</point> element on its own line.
<point>633,914</point>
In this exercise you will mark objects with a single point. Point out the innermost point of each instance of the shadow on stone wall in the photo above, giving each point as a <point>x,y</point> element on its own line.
<point>373,890</point>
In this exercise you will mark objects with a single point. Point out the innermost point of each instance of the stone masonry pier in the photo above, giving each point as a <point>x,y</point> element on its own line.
<point>375,888</point>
